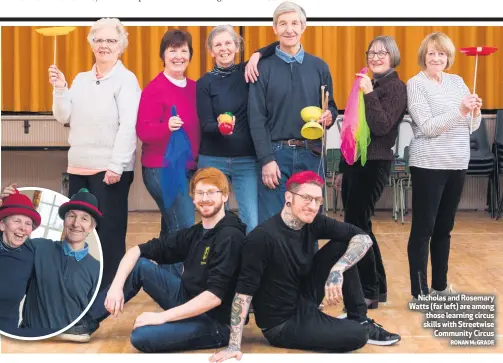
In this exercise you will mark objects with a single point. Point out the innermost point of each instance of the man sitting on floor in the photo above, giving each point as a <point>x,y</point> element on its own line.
<point>196,305</point>
<point>288,280</point>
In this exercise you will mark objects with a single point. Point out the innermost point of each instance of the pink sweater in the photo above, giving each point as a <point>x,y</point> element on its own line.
<point>153,117</point>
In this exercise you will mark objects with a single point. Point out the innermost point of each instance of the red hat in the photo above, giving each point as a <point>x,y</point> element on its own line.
<point>18,203</point>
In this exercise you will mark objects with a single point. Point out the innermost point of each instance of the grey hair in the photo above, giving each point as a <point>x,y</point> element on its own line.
<point>106,22</point>
<point>288,7</point>
<point>391,47</point>
<point>238,40</point>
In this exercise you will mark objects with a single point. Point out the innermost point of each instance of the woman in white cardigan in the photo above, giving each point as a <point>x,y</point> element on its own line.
<point>441,108</point>
<point>101,107</point>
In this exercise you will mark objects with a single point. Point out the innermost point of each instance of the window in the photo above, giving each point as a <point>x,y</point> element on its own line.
<point>51,226</point>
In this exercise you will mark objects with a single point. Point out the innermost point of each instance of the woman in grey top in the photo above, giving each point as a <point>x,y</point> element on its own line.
<point>441,108</point>
<point>101,107</point>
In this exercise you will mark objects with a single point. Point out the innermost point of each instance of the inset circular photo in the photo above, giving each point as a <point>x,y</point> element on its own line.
<point>50,260</point>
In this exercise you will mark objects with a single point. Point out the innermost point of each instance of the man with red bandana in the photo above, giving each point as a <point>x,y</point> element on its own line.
<point>197,305</point>
<point>288,280</point>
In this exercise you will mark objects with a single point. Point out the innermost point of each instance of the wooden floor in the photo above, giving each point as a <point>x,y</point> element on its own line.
<point>476,266</point>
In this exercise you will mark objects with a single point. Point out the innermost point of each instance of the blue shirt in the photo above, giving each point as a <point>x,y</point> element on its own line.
<point>288,58</point>
<point>79,255</point>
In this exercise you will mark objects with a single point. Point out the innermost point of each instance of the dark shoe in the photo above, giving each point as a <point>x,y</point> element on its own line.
<point>79,333</point>
<point>383,297</point>
<point>372,304</point>
<point>377,334</point>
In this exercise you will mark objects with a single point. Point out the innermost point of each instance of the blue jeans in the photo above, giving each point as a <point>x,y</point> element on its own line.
<point>242,173</point>
<point>178,216</point>
<point>200,332</point>
<point>290,160</point>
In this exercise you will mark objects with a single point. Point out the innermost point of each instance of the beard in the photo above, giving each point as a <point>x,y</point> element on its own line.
<point>209,209</point>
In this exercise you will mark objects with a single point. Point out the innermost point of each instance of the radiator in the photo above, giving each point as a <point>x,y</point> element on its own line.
<point>33,131</point>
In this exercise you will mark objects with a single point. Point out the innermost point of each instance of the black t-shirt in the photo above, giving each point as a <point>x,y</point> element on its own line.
<point>277,258</point>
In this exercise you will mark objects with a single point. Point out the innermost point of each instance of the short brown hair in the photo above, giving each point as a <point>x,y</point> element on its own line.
<point>211,176</point>
<point>441,42</point>
<point>391,47</point>
<point>175,38</point>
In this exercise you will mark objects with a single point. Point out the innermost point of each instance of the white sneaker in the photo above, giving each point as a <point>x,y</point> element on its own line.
<point>449,290</point>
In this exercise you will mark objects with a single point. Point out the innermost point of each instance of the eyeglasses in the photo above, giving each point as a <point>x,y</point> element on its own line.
<point>380,55</point>
<point>108,41</point>
<point>307,199</point>
<point>211,194</point>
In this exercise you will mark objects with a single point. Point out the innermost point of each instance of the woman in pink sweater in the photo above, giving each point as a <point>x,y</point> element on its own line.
<point>155,125</point>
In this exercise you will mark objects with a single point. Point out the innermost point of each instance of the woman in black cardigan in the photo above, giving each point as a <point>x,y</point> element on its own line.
<point>225,90</point>
<point>385,98</point>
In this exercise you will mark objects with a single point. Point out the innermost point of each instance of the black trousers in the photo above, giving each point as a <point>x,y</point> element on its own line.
<point>362,187</point>
<point>311,329</point>
<point>435,199</point>
<point>113,203</point>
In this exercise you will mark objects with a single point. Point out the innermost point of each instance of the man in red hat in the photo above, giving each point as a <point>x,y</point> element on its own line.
<point>18,218</point>
<point>288,280</point>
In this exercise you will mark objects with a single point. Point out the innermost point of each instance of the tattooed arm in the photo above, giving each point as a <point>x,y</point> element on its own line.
<point>240,306</point>
<point>358,247</point>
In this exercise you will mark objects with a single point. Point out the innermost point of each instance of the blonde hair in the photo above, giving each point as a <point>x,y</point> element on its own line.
<point>440,42</point>
<point>106,22</point>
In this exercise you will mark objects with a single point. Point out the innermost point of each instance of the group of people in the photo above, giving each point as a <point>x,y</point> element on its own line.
<point>108,113</point>
<point>270,253</point>
<point>56,279</point>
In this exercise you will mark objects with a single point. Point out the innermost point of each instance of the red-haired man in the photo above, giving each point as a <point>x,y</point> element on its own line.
<point>288,280</point>
<point>196,305</point>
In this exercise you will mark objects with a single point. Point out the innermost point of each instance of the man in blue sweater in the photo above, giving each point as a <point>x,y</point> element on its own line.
<point>288,82</point>
<point>66,275</point>
<point>18,218</point>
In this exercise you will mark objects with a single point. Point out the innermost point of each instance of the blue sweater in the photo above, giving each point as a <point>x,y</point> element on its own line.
<point>16,267</point>
<point>62,288</point>
<point>281,92</point>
